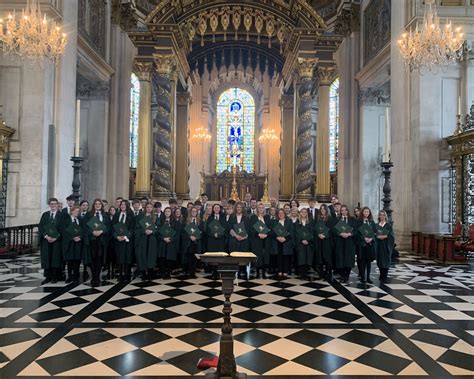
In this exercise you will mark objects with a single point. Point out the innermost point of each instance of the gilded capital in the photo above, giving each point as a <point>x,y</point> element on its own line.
<point>165,63</point>
<point>306,67</point>
<point>327,75</point>
<point>143,70</point>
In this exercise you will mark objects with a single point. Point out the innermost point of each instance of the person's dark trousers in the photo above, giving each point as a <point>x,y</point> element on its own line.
<point>97,253</point>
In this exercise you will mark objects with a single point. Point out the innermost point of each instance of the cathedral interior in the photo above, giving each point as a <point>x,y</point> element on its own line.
<point>284,99</point>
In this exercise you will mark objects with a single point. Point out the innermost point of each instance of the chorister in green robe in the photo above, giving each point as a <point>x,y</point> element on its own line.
<point>345,248</point>
<point>304,253</point>
<point>233,243</point>
<point>287,246</point>
<point>169,250</point>
<point>123,249</point>
<point>186,242</point>
<point>324,247</point>
<point>216,242</point>
<point>146,244</point>
<point>365,251</point>
<point>260,247</point>
<point>384,248</point>
<point>51,257</point>
<point>72,250</point>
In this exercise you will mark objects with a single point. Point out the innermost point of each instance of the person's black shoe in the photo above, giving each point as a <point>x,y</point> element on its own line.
<point>45,280</point>
<point>370,281</point>
<point>54,281</point>
<point>215,276</point>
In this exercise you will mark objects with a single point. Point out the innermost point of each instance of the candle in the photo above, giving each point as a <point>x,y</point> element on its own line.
<point>77,143</point>
<point>459,105</point>
<point>386,152</point>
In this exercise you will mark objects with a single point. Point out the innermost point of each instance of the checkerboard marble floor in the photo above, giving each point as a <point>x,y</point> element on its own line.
<point>419,324</point>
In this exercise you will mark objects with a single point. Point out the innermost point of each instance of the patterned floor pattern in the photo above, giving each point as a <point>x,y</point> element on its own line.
<point>420,324</point>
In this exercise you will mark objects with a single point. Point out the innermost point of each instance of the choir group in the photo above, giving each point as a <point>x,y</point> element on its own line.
<point>324,240</point>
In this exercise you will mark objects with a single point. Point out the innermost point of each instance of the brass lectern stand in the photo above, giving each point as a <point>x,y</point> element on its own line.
<point>227,266</point>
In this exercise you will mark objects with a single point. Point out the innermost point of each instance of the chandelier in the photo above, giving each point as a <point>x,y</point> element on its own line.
<point>32,36</point>
<point>431,45</point>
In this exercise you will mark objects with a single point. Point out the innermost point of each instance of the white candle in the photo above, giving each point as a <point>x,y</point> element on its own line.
<point>386,154</point>
<point>77,143</point>
<point>459,104</point>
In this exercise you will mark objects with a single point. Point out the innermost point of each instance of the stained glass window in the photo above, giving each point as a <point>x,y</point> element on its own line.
<point>134,109</point>
<point>235,130</point>
<point>333,125</point>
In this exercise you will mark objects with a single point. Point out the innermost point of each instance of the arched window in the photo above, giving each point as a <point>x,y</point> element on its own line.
<point>134,109</point>
<point>333,125</point>
<point>235,130</point>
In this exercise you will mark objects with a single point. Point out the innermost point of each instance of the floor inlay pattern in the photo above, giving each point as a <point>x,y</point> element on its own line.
<point>419,324</point>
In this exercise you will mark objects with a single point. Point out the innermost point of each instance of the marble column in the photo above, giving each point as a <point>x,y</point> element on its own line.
<point>287,161</point>
<point>323,178</point>
<point>118,168</point>
<point>163,127</point>
<point>182,146</point>
<point>143,71</point>
<point>304,161</point>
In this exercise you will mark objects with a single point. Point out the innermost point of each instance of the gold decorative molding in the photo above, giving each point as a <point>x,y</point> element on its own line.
<point>165,63</point>
<point>327,75</point>
<point>143,70</point>
<point>306,67</point>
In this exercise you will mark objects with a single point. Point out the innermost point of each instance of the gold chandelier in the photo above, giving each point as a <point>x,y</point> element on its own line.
<point>32,36</point>
<point>432,45</point>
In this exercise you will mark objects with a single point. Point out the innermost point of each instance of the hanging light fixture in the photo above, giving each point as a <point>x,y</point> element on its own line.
<point>432,45</point>
<point>32,36</point>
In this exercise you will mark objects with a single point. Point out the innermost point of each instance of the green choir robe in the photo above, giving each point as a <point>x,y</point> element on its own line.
<point>104,238</point>
<point>365,251</point>
<point>304,253</point>
<point>234,244</point>
<point>345,248</point>
<point>169,250</point>
<point>220,243</point>
<point>260,247</point>
<point>384,248</point>
<point>123,250</point>
<point>186,241</point>
<point>146,246</point>
<point>72,251</point>
<point>324,248</point>
<point>51,256</point>
<point>288,245</point>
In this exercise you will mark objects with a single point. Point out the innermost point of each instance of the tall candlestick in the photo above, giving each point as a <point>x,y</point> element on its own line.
<point>77,141</point>
<point>386,152</point>
<point>459,104</point>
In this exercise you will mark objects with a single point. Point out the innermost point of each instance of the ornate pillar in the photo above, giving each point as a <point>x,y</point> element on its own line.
<point>287,162</point>
<point>5,135</point>
<point>182,146</point>
<point>163,127</point>
<point>143,71</point>
<point>323,178</point>
<point>304,176</point>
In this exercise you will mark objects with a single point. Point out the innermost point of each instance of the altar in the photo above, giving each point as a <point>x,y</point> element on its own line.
<point>219,186</point>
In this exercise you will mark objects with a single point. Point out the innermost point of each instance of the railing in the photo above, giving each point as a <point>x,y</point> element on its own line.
<point>19,239</point>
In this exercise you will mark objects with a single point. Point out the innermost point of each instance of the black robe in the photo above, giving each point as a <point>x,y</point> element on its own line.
<point>216,244</point>
<point>260,247</point>
<point>234,244</point>
<point>51,256</point>
<point>345,248</point>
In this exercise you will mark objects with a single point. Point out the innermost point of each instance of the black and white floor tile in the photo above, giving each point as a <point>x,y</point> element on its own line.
<point>419,324</point>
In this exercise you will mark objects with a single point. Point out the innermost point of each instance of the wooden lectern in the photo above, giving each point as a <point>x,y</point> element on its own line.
<point>227,265</point>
